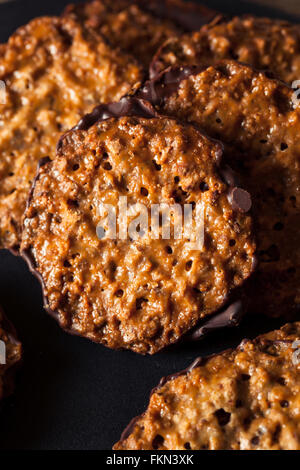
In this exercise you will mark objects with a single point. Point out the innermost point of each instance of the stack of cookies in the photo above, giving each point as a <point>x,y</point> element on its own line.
<point>150,177</point>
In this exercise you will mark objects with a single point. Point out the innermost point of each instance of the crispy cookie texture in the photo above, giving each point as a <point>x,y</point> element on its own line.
<point>258,121</point>
<point>140,293</point>
<point>140,27</point>
<point>264,43</point>
<point>55,71</point>
<point>13,353</point>
<point>242,399</point>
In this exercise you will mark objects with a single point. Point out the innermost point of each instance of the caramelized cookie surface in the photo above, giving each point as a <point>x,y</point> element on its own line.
<point>140,27</point>
<point>264,43</point>
<point>259,122</point>
<point>141,291</point>
<point>241,399</point>
<point>54,70</point>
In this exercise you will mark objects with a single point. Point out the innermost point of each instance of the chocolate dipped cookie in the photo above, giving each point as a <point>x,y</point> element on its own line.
<point>242,399</point>
<point>258,120</point>
<point>266,44</point>
<point>145,288</point>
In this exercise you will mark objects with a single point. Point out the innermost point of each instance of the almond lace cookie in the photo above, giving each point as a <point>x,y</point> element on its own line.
<point>140,26</point>
<point>55,71</point>
<point>10,355</point>
<point>145,289</point>
<point>259,122</point>
<point>241,399</point>
<point>264,43</point>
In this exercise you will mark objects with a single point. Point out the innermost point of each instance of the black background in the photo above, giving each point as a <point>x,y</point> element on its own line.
<point>71,393</point>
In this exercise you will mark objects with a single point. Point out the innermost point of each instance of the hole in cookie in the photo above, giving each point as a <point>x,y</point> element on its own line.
<point>72,203</point>
<point>255,441</point>
<point>247,421</point>
<point>119,293</point>
<point>233,55</point>
<point>156,165</point>
<point>219,121</point>
<point>169,250</point>
<point>276,435</point>
<point>222,416</point>
<point>157,442</point>
<point>139,302</point>
<point>187,446</point>
<point>75,167</point>
<point>278,226</point>
<point>281,381</point>
<point>282,101</point>
<point>284,404</point>
<point>232,242</point>
<point>176,179</point>
<point>107,166</point>
<point>67,264</point>
<point>144,192</point>
<point>204,186</point>
<point>188,265</point>
<point>283,146</point>
<point>245,377</point>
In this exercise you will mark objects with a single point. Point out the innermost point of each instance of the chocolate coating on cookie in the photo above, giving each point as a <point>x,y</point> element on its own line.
<point>51,68</point>
<point>258,122</point>
<point>242,399</point>
<point>127,106</point>
<point>139,292</point>
<point>228,318</point>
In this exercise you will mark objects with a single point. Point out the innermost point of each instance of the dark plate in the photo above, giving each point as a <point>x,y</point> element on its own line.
<point>71,393</point>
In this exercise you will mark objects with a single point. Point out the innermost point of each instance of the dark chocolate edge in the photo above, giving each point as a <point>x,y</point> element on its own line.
<point>127,106</point>
<point>155,66</point>
<point>229,317</point>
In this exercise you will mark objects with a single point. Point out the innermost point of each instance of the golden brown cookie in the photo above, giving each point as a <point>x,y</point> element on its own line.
<point>242,399</point>
<point>258,120</point>
<point>140,27</point>
<point>142,290</point>
<point>264,43</point>
<point>10,355</point>
<point>55,71</point>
